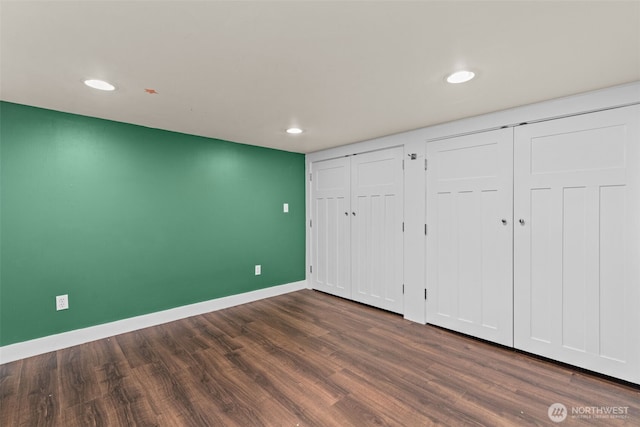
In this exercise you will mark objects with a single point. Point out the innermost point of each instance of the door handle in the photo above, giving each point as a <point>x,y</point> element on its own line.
<point>353,213</point>
<point>346,213</point>
<point>504,221</point>
<point>521,221</point>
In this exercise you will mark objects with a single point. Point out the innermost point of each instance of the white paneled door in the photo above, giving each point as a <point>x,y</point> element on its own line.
<point>357,236</point>
<point>330,228</point>
<point>577,237</point>
<point>376,228</point>
<point>469,241</point>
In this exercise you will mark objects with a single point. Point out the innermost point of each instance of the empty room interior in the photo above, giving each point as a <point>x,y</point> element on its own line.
<point>319,213</point>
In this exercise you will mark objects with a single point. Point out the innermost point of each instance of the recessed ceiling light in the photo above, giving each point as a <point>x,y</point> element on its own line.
<point>461,76</point>
<point>99,84</point>
<point>294,131</point>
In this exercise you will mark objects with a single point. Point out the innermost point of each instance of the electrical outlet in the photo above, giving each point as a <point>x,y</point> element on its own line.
<point>62,302</point>
<point>258,270</point>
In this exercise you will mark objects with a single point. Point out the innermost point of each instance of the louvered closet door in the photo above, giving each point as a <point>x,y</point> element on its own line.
<point>330,251</point>
<point>469,241</point>
<point>577,263</point>
<point>376,228</point>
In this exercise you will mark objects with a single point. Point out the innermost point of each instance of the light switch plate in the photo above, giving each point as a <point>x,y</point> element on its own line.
<point>258,270</point>
<point>285,208</point>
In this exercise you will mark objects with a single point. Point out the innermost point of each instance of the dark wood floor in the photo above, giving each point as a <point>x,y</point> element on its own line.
<point>301,359</point>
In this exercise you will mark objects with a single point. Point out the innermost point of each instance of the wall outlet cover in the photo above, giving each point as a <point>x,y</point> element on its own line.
<point>62,302</point>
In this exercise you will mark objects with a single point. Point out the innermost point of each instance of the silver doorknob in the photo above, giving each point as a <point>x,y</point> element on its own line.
<point>504,221</point>
<point>353,213</point>
<point>521,221</point>
<point>346,213</point>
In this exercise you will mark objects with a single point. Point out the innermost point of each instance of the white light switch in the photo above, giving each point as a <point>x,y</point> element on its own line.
<point>285,208</point>
<point>258,270</point>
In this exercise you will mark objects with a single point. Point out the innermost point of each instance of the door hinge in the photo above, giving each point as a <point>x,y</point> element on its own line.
<point>403,226</point>
<point>403,164</point>
<point>425,164</point>
<point>403,289</point>
<point>425,294</point>
<point>310,177</point>
<point>310,223</point>
<point>310,269</point>
<point>425,229</point>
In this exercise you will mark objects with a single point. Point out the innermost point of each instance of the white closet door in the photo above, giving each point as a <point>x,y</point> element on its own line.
<point>577,264</point>
<point>330,216</point>
<point>469,242</point>
<point>376,221</point>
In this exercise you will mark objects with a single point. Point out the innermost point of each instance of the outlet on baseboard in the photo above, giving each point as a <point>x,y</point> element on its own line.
<point>258,270</point>
<point>62,302</point>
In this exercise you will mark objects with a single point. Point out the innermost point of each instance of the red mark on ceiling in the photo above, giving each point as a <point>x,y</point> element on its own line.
<point>151,91</point>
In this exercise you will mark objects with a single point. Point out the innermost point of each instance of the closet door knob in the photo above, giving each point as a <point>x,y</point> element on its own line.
<point>521,221</point>
<point>504,221</point>
<point>346,213</point>
<point>353,213</point>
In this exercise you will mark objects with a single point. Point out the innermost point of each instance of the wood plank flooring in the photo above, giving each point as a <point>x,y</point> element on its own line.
<point>301,359</point>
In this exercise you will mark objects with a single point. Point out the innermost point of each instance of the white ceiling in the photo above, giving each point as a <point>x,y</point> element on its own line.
<point>343,71</point>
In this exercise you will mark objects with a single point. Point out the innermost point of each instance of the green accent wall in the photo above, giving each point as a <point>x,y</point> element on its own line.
<point>129,220</point>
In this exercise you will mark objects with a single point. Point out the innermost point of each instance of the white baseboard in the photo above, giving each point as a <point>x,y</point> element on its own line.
<point>21,350</point>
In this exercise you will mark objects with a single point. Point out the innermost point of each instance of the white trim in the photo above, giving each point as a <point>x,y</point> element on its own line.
<point>12,352</point>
